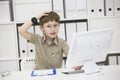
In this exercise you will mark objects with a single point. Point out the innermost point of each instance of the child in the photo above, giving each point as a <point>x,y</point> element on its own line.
<point>49,47</point>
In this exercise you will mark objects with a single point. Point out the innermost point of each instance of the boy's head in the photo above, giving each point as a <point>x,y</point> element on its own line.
<point>49,24</point>
<point>52,16</point>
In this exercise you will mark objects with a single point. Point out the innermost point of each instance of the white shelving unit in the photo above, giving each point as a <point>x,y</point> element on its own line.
<point>76,15</point>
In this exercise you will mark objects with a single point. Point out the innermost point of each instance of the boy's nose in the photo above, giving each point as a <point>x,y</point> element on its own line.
<point>52,28</point>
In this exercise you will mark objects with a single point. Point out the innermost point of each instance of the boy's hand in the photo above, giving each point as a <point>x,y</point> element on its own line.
<point>77,67</point>
<point>42,14</point>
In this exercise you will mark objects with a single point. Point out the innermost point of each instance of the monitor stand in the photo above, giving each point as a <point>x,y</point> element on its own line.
<point>90,67</point>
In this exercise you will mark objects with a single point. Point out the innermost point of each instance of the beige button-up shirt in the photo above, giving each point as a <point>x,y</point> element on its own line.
<point>48,55</point>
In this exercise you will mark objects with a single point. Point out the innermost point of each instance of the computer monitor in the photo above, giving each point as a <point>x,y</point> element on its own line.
<point>89,45</point>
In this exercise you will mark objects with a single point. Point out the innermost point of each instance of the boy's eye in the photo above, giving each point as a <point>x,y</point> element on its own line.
<point>55,25</point>
<point>48,26</point>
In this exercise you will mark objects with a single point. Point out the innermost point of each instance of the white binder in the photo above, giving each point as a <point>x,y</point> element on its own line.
<point>70,8</point>
<point>58,7</point>
<point>30,46</point>
<point>30,1</point>
<point>95,8</point>
<point>8,47</point>
<point>117,7</point>
<point>26,49</point>
<point>61,32</point>
<point>91,8</point>
<point>29,10</point>
<point>4,11</point>
<point>81,8</point>
<point>109,7</point>
<point>100,7</point>
<point>22,46</point>
<point>119,60</point>
<point>70,29</point>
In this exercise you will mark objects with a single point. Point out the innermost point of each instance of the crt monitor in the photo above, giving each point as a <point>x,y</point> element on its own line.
<point>89,45</point>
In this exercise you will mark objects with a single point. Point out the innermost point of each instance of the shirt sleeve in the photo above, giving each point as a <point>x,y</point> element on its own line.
<point>33,38</point>
<point>65,48</point>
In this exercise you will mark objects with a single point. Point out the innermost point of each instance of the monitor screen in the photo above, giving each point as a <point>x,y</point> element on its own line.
<point>90,45</point>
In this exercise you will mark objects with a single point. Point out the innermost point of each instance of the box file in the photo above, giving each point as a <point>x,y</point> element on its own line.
<point>58,7</point>
<point>95,8</point>
<point>109,5</point>
<point>70,6</point>
<point>29,10</point>
<point>4,11</point>
<point>26,49</point>
<point>61,32</point>
<point>70,29</point>
<point>117,7</point>
<point>81,8</point>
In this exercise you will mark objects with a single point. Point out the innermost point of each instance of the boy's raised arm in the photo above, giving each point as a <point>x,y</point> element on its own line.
<point>23,30</point>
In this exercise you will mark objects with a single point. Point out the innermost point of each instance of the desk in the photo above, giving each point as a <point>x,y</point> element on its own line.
<point>107,73</point>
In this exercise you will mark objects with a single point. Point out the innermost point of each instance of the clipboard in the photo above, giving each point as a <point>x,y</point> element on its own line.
<point>43,72</point>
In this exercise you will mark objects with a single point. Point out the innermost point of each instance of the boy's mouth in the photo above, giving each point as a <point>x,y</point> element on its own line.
<point>53,33</point>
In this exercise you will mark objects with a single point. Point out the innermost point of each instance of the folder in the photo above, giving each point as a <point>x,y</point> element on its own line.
<point>70,8</point>
<point>22,46</point>
<point>91,8</point>
<point>100,7</point>
<point>8,41</point>
<point>61,32</point>
<point>70,29</point>
<point>5,11</point>
<point>26,49</point>
<point>95,8</point>
<point>109,7</point>
<point>27,63</point>
<point>29,10</point>
<point>58,7</point>
<point>117,7</point>
<point>119,60</point>
<point>31,50</point>
<point>30,46</point>
<point>81,8</point>
<point>30,1</point>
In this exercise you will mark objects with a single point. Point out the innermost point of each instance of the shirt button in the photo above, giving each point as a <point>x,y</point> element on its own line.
<point>48,61</point>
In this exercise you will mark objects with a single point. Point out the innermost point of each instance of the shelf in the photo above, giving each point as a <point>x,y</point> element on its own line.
<point>9,59</point>
<point>104,17</point>
<point>2,23</point>
<point>73,20</point>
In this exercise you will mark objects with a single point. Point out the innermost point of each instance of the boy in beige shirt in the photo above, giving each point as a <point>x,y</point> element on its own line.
<point>49,48</point>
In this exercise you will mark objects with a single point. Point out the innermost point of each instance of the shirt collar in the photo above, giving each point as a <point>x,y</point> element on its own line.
<point>55,41</point>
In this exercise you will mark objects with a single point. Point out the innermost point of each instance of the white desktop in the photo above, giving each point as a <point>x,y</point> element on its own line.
<point>110,72</point>
<point>89,47</point>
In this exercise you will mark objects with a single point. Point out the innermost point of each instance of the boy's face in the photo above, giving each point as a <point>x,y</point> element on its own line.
<point>50,29</point>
